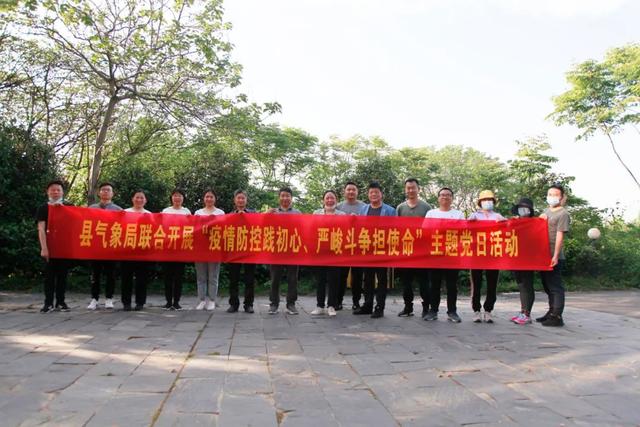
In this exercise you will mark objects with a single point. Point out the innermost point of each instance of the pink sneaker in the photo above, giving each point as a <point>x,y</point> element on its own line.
<point>517,316</point>
<point>523,320</point>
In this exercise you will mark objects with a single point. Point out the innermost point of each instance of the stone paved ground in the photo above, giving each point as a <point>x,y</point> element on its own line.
<point>200,368</point>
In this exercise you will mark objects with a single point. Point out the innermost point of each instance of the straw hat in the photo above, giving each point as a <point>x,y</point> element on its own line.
<point>486,195</point>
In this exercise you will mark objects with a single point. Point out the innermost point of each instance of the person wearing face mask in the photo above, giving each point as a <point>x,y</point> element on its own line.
<point>524,279</point>
<point>55,273</point>
<point>558,222</point>
<point>487,202</point>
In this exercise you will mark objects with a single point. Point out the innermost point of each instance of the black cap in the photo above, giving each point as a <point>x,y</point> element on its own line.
<point>523,203</point>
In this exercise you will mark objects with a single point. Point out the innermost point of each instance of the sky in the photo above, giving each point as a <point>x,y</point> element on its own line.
<point>478,73</point>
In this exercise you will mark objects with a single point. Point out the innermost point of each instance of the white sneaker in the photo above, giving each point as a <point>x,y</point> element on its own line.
<point>93,304</point>
<point>201,305</point>
<point>318,311</point>
<point>331,311</point>
<point>211,305</point>
<point>477,317</point>
<point>108,303</point>
<point>487,317</point>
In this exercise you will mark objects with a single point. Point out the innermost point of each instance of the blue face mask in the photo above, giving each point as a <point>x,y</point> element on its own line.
<point>523,211</point>
<point>487,205</point>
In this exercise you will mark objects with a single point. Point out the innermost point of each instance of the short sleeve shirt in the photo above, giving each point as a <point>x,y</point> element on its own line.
<point>419,210</point>
<point>42,214</point>
<point>173,211</point>
<point>351,208</point>
<point>558,220</point>
<point>450,214</point>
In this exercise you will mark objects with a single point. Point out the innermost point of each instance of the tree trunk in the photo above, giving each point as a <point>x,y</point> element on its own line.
<point>96,164</point>
<point>613,147</point>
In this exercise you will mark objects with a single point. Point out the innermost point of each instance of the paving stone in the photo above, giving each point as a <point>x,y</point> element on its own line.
<point>244,410</point>
<point>201,395</point>
<point>203,368</point>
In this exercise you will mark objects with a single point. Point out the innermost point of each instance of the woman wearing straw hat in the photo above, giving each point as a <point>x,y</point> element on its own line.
<point>486,202</point>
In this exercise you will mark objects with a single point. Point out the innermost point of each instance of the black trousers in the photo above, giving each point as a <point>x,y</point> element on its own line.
<point>327,282</point>
<point>451,279</point>
<point>370,275</point>
<point>173,272</point>
<point>139,269</point>
<point>55,280</point>
<point>356,284</point>
<point>524,279</point>
<point>476,289</point>
<point>407,277</point>
<point>108,269</point>
<point>292,283</point>
<point>249,284</point>
<point>553,286</point>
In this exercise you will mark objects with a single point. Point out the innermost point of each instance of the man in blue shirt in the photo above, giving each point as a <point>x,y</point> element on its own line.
<point>375,208</point>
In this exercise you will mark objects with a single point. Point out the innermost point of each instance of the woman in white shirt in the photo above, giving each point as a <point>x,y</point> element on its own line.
<point>207,273</point>
<point>173,271</point>
<point>139,269</point>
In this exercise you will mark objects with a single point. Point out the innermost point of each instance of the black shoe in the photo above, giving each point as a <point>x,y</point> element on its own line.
<point>248,309</point>
<point>339,307</point>
<point>363,310</point>
<point>126,307</point>
<point>543,318</point>
<point>377,313</point>
<point>176,306</point>
<point>139,307</point>
<point>232,309</point>
<point>553,320</point>
<point>406,312</point>
<point>168,306</point>
<point>46,309</point>
<point>63,307</point>
<point>355,307</point>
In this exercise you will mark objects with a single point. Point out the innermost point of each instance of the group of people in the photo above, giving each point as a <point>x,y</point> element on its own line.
<point>368,284</point>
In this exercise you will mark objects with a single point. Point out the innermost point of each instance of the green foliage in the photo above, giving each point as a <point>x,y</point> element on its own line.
<point>26,166</point>
<point>603,97</point>
<point>216,166</point>
<point>88,71</point>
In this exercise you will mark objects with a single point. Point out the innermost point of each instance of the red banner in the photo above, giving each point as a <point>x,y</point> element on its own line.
<point>340,240</point>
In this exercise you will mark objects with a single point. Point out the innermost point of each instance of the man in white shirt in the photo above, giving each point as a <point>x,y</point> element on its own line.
<point>444,211</point>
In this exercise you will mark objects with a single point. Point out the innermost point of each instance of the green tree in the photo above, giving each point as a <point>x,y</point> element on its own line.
<point>122,60</point>
<point>280,155</point>
<point>467,171</point>
<point>26,166</point>
<point>603,97</point>
<point>530,173</point>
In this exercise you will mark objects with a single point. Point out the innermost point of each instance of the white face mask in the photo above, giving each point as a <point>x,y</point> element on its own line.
<point>524,211</point>
<point>553,201</point>
<point>55,201</point>
<point>487,205</point>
